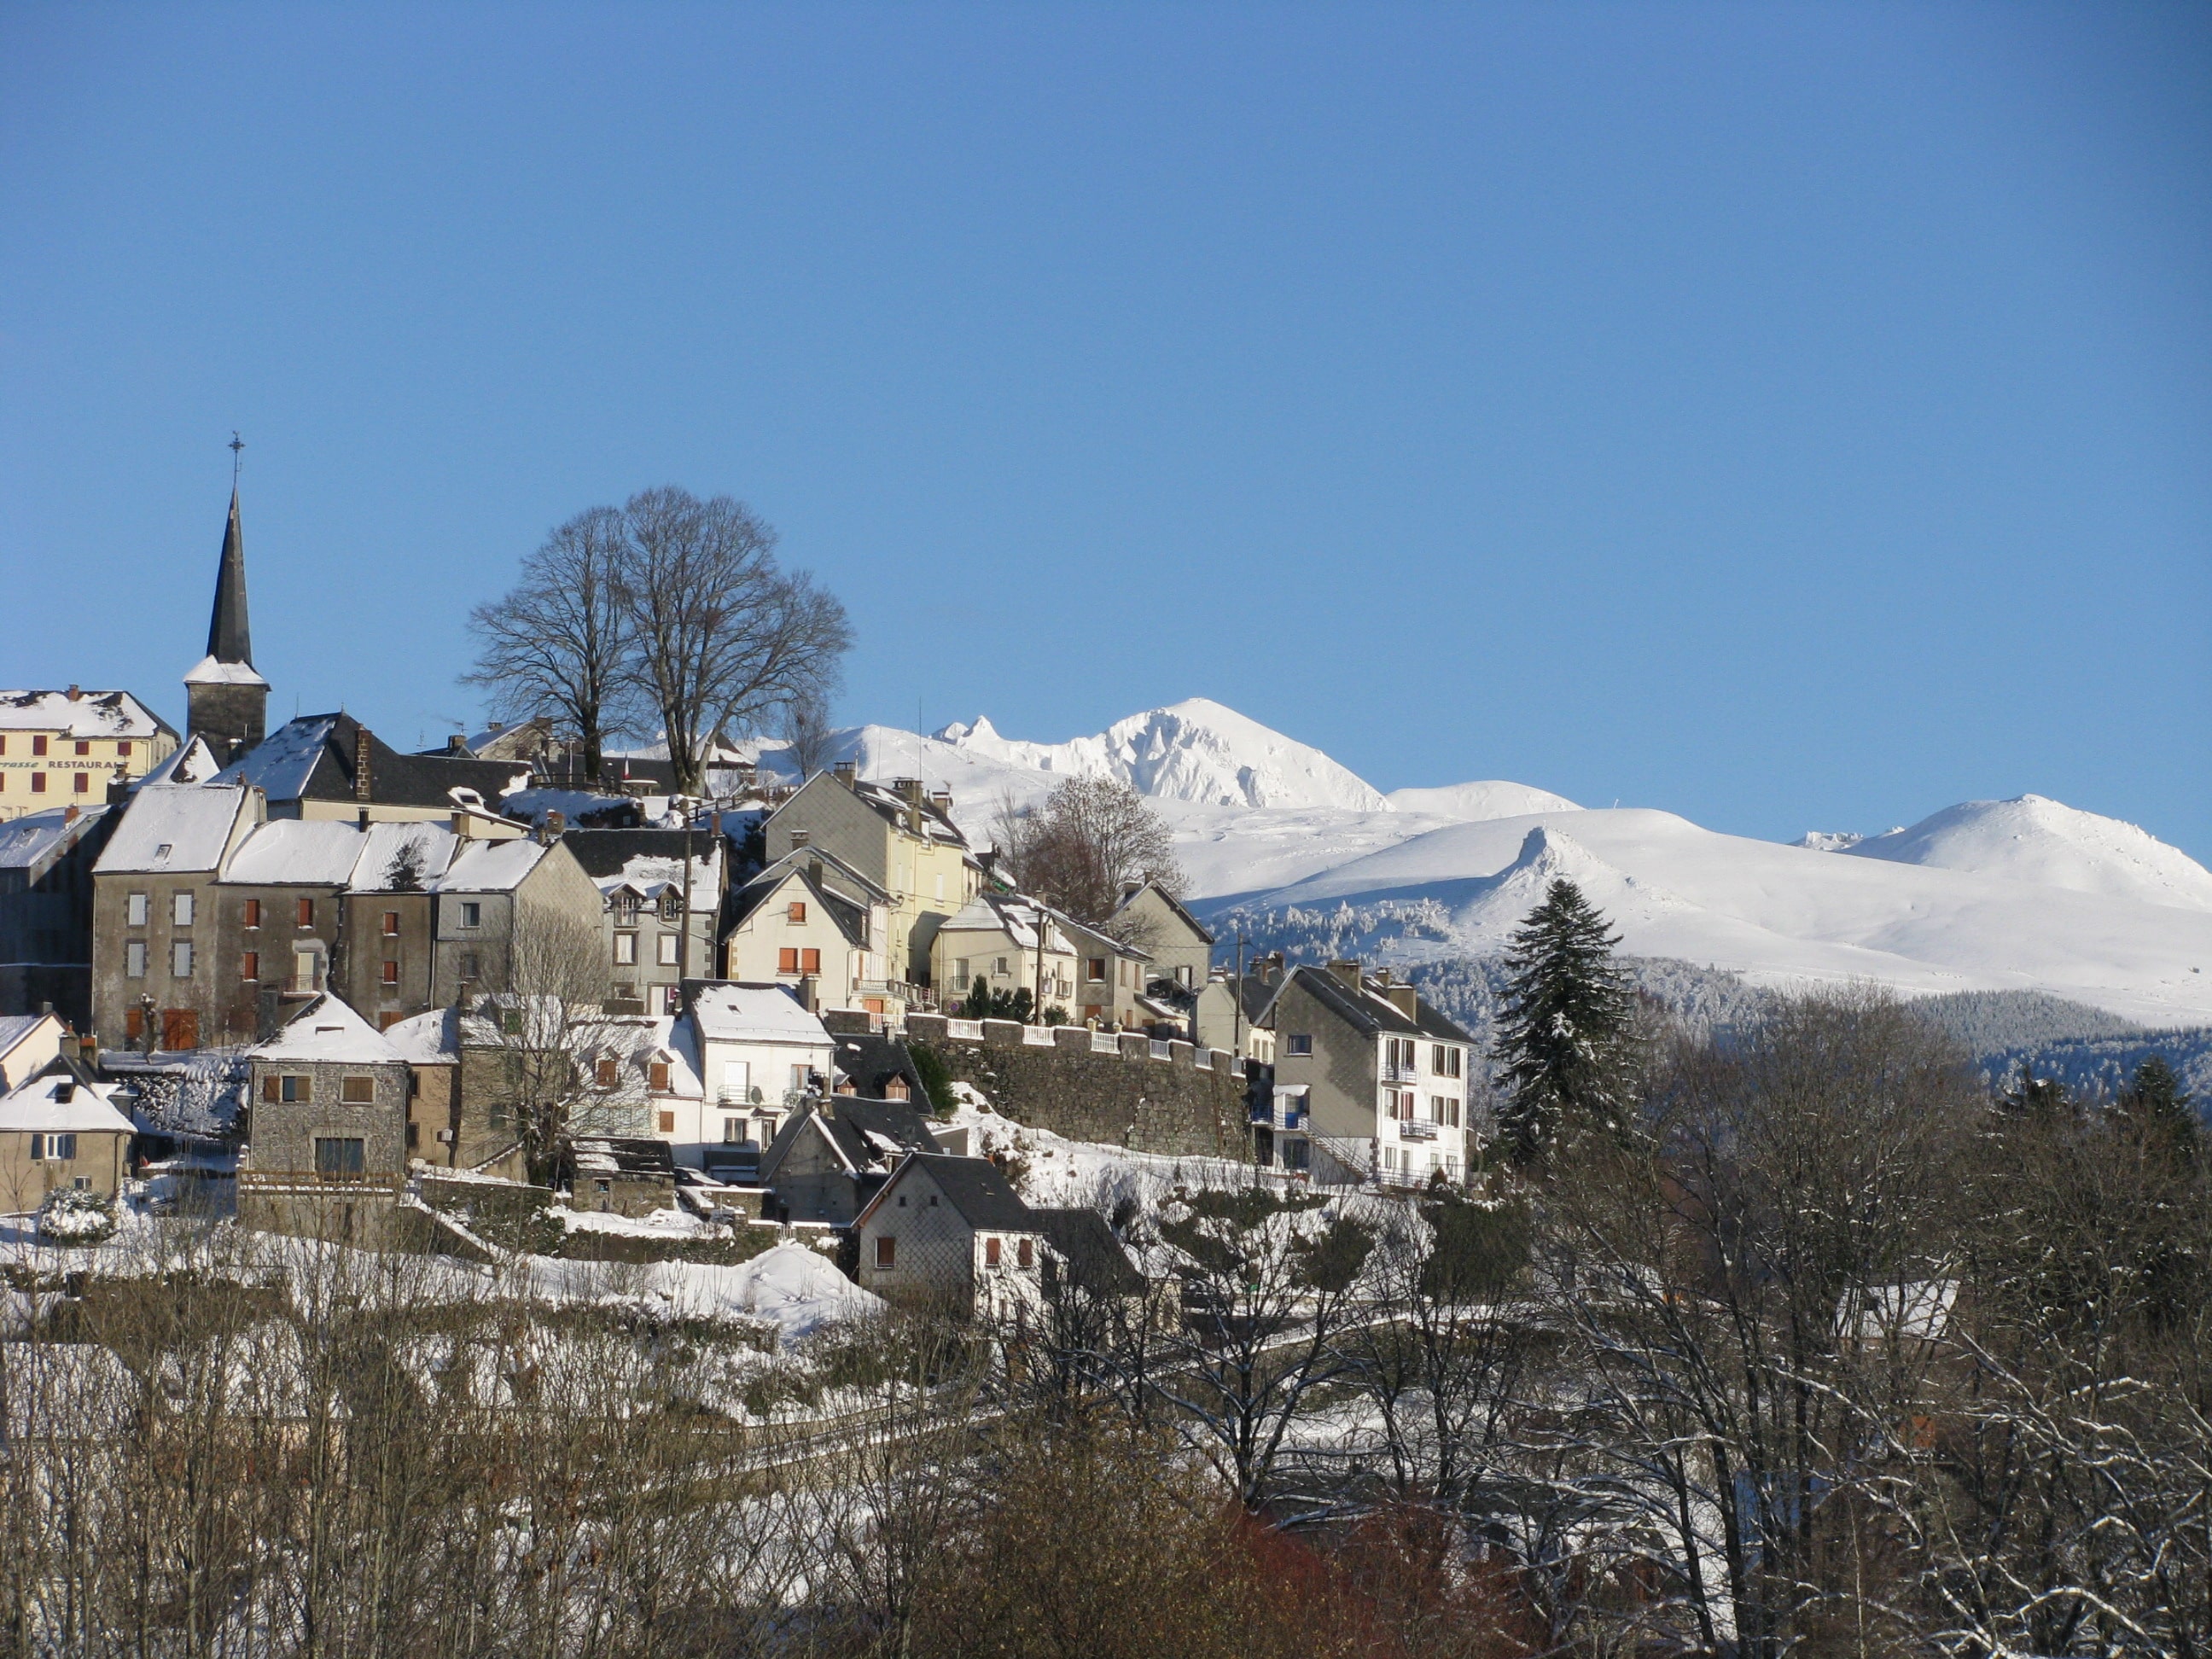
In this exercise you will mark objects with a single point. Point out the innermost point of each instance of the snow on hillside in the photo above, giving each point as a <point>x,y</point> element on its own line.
<point>1777,915</point>
<point>2050,843</point>
<point>1472,802</point>
<point>1195,750</point>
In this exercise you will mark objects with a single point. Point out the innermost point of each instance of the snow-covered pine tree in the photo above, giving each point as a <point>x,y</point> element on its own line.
<point>2155,1105</point>
<point>1565,1034</point>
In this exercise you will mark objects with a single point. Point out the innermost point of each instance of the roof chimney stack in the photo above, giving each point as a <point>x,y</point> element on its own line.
<point>845,772</point>
<point>1346,970</point>
<point>361,754</point>
<point>1408,1003</point>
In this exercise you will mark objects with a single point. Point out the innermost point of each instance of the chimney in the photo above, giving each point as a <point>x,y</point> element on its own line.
<point>556,825</point>
<point>942,800</point>
<point>814,871</point>
<point>1402,995</point>
<point>69,813</point>
<point>460,823</point>
<point>456,744</point>
<point>845,772</point>
<point>361,778</point>
<point>1346,969</point>
<point>74,694</point>
<point>798,838</point>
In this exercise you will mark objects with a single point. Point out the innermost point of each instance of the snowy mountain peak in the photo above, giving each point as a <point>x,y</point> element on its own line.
<point>1195,750</point>
<point>1471,803</point>
<point>2033,838</point>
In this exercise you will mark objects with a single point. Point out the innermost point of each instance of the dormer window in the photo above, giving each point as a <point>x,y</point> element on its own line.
<point>671,903</point>
<point>626,906</point>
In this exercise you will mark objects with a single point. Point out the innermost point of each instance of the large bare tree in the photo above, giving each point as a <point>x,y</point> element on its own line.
<point>721,636</point>
<point>559,639</point>
<point>1089,840</point>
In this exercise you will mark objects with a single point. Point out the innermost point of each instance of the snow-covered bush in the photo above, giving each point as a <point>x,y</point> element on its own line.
<point>72,1216</point>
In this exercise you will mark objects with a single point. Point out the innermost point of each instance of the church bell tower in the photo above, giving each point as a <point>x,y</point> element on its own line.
<point>226,702</point>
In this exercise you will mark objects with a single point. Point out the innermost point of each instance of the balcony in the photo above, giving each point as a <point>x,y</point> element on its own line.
<point>1415,1129</point>
<point>1402,1074</point>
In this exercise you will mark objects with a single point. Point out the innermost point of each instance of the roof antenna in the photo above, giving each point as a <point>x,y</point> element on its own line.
<point>237,443</point>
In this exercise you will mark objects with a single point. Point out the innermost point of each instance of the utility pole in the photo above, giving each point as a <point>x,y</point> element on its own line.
<point>684,933</point>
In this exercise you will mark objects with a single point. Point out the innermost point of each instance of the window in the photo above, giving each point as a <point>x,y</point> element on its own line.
<point>786,961</point>
<point>799,1077</point>
<point>941,887</point>
<point>357,1090</point>
<point>666,952</point>
<point>414,1136</point>
<point>990,1252</point>
<point>810,962</point>
<point>733,1131</point>
<point>392,924</point>
<point>38,743</point>
<point>180,959</point>
<point>960,973</point>
<point>795,912</point>
<point>249,965</point>
<point>53,1149</point>
<point>306,971</point>
<point>656,1074</point>
<point>998,966</point>
<point>180,909</point>
<point>471,913</point>
<point>1444,1109</point>
<point>84,747</point>
<point>1444,1060</point>
<point>1025,1253</point>
<point>134,961</point>
<point>1183,973</point>
<point>668,1123</point>
<point>391,973</point>
<point>1094,969</point>
<point>134,1019</point>
<point>38,783</point>
<point>123,749</point>
<point>307,912</point>
<point>251,913</point>
<point>297,1091</point>
<point>626,906</point>
<point>886,1252</point>
<point>607,1073</point>
<point>671,901</point>
<point>1301,1042</point>
<point>339,1158</point>
<point>625,949</point>
<point>471,967</point>
<point>134,909</point>
<point>82,785</point>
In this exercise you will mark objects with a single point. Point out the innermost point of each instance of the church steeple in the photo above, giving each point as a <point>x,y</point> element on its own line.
<point>226,702</point>
<point>229,638</point>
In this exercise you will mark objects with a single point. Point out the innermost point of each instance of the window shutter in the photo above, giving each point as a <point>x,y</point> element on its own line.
<point>269,1089</point>
<point>810,962</point>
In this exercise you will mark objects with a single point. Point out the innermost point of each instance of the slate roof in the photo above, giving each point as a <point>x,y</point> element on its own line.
<point>230,638</point>
<point>36,842</point>
<point>865,1133</point>
<point>871,1060</point>
<point>1095,1258</point>
<point>975,1188</point>
<point>312,758</point>
<point>1173,903</point>
<point>1368,1010</point>
<point>600,1155</point>
<point>852,921</point>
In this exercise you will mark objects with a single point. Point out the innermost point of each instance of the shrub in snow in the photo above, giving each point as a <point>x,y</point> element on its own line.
<point>71,1216</point>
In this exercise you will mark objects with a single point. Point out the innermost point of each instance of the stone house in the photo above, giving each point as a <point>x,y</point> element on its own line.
<point>1179,945</point>
<point>327,1103</point>
<point>63,748</point>
<point>898,837</point>
<point>45,908</point>
<point>59,1130</point>
<point>831,1155</point>
<point>639,873</point>
<point>1016,942</point>
<point>812,922</point>
<point>495,894</point>
<point>332,767</point>
<point>1379,1077</point>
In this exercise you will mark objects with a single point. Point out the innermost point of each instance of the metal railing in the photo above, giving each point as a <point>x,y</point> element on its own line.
<point>322,1182</point>
<point>1414,1129</point>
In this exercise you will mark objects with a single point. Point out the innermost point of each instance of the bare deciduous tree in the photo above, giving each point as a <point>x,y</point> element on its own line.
<point>556,991</point>
<point>722,637</point>
<point>559,639</point>
<point>1081,849</point>
<point>807,734</point>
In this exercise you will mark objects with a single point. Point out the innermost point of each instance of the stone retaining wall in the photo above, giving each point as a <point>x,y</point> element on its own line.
<point>1122,1089</point>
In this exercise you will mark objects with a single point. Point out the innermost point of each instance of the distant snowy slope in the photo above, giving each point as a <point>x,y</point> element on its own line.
<point>1195,750</point>
<point>2048,843</point>
<point>1472,802</point>
<point>1777,915</point>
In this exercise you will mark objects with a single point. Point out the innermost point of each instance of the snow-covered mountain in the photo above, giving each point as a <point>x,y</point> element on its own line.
<point>1282,840</point>
<point>1195,750</point>
<point>2048,843</point>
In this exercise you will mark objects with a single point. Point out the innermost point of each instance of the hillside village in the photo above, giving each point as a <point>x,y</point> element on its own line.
<point>742,1181</point>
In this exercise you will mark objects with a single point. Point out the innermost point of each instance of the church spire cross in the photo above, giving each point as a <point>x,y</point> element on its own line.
<point>229,638</point>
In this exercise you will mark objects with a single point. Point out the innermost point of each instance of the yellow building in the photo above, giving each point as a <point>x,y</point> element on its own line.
<point>61,747</point>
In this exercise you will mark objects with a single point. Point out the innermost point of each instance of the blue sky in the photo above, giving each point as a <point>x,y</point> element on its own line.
<point>1793,417</point>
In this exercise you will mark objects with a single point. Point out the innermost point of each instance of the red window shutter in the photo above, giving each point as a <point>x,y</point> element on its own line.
<point>134,1023</point>
<point>1026,1252</point>
<point>657,1074</point>
<point>810,962</point>
<point>307,912</point>
<point>990,1252</point>
<point>392,924</point>
<point>254,913</point>
<point>249,965</point>
<point>668,1123</point>
<point>886,1252</point>
<point>392,973</point>
<point>786,961</point>
<point>607,1074</point>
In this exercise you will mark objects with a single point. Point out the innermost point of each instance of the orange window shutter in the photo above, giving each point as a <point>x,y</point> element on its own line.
<point>810,962</point>
<point>786,961</point>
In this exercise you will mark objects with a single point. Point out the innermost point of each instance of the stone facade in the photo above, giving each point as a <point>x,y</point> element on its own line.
<point>281,1133</point>
<point>1074,1087</point>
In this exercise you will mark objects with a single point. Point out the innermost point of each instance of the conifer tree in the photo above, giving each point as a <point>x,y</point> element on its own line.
<point>2159,1111</point>
<point>1565,1036</point>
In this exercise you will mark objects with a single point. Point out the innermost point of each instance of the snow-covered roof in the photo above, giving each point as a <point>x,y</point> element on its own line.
<point>389,848</point>
<point>488,866</point>
<point>58,1103</point>
<point>191,763</point>
<point>327,1030</point>
<point>29,839</point>
<point>1021,918</point>
<point>209,672</point>
<point>174,826</point>
<point>727,1011</point>
<point>281,763</point>
<point>314,852</point>
<point>428,1039</point>
<point>86,714</point>
<point>648,878</point>
<point>14,1027</point>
